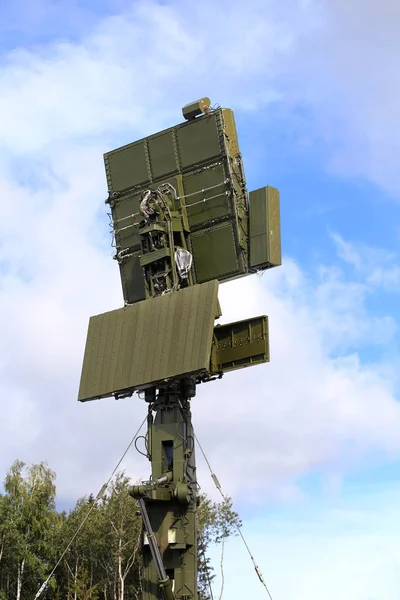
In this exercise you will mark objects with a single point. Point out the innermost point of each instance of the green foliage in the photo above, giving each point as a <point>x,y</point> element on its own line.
<point>217,522</point>
<point>28,530</point>
<point>103,562</point>
<point>80,589</point>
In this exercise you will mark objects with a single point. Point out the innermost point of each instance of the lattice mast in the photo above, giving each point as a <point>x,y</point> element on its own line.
<point>182,222</point>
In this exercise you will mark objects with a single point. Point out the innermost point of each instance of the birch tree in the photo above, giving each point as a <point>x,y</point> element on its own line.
<point>29,526</point>
<point>217,522</point>
<point>103,562</point>
<point>122,531</point>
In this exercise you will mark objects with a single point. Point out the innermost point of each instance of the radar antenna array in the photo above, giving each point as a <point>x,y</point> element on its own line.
<point>182,222</point>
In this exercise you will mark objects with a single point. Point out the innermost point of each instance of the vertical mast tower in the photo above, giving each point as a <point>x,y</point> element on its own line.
<point>182,222</point>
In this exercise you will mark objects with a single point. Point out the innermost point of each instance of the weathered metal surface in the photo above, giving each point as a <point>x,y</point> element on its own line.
<point>264,230</point>
<point>150,341</point>
<point>240,344</point>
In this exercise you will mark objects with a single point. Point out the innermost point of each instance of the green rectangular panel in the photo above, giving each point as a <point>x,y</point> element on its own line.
<point>215,253</point>
<point>206,196</point>
<point>150,341</point>
<point>240,344</point>
<point>126,219</point>
<point>162,154</point>
<point>200,140</point>
<point>126,167</point>
<point>264,228</point>
<point>132,278</point>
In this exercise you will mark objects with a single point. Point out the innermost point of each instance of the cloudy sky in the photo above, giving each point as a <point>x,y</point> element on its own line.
<point>309,445</point>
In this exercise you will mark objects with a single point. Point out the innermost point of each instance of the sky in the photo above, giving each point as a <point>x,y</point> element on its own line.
<point>308,446</point>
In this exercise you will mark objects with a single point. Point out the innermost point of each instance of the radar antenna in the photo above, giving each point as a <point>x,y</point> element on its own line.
<point>182,223</point>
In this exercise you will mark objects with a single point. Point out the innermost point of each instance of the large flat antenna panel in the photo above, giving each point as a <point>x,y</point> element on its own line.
<point>150,341</point>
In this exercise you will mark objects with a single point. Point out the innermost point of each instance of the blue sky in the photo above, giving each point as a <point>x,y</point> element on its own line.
<point>309,445</point>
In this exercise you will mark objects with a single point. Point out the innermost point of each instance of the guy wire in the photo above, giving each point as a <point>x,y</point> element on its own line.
<point>218,486</point>
<point>85,518</point>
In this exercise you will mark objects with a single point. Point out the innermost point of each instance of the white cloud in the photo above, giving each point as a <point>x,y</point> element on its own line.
<point>307,409</point>
<point>377,266</point>
<point>347,71</point>
<point>66,103</point>
<point>127,74</point>
<point>316,406</point>
<point>388,278</point>
<point>342,550</point>
<point>334,60</point>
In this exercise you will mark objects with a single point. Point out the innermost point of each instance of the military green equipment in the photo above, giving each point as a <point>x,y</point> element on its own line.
<point>164,581</point>
<point>170,497</point>
<point>191,176</point>
<point>182,221</point>
<point>194,109</point>
<point>149,343</point>
<point>264,229</point>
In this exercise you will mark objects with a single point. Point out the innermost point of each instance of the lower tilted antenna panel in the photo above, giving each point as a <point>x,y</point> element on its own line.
<point>150,341</point>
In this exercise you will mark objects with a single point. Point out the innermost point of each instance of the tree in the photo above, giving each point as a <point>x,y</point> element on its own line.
<point>103,561</point>
<point>81,564</point>
<point>80,588</point>
<point>122,532</point>
<point>217,522</point>
<point>29,526</point>
<point>4,542</point>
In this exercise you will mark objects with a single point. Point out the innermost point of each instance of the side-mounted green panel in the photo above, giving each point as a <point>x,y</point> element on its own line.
<point>264,228</point>
<point>240,344</point>
<point>150,341</point>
